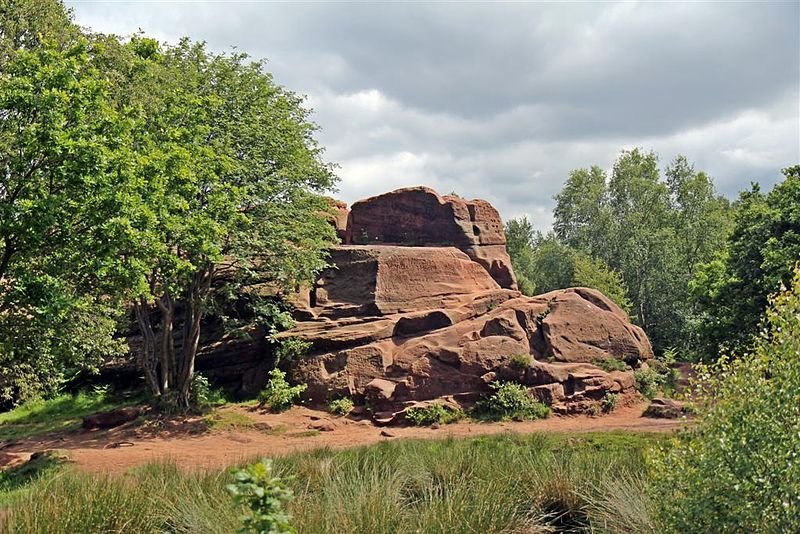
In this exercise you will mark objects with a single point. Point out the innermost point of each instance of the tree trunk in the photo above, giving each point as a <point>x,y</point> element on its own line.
<point>195,296</point>
<point>167,356</point>
<point>147,356</point>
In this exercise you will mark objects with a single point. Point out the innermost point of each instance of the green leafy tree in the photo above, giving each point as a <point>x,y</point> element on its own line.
<point>63,155</point>
<point>650,230</point>
<point>520,234</point>
<point>736,469</point>
<point>732,289</point>
<point>230,176</point>
<point>543,264</point>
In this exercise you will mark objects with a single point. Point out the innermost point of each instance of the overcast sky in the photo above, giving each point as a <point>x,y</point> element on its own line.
<point>501,101</point>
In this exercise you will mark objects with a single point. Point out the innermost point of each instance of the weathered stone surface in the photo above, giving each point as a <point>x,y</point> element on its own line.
<point>665,409</point>
<point>338,217</point>
<point>418,216</point>
<point>562,331</point>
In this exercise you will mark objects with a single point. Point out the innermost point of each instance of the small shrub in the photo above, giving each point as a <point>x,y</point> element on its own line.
<point>202,395</point>
<point>609,402</point>
<point>279,396</point>
<point>609,364</point>
<point>593,410</point>
<point>647,382</point>
<point>341,406</point>
<point>290,351</point>
<point>434,413</point>
<point>265,496</point>
<point>520,362</point>
<point>510,401</point>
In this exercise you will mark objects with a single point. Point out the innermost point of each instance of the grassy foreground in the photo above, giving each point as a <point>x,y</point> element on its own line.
<point>505,483</point>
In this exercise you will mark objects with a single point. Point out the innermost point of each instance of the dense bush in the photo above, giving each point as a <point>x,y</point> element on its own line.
<point>737,469</point>
<point>510,401</point>
<point>279,395</point>
<point>434,413</point>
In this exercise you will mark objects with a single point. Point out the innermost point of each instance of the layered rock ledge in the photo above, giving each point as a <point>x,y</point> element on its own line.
<point>398,325</point>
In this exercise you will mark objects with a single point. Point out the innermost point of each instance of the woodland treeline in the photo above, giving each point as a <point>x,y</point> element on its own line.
<point>694,269</point>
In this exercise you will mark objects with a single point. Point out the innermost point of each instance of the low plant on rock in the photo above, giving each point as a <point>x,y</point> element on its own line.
<point>510,401</point>
<point>265,495</point>
<point>279,396</point>
<point>609,402</point>
<point>609,364</point>
<point>520,362</point>
<point>341,406</point>
<point>433,413</point>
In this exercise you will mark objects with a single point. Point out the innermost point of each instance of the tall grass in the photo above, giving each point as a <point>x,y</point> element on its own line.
<point>507,483</point>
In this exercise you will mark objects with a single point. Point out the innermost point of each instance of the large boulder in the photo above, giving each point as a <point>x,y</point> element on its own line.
<point>398,325</point>
<point>418,216</point>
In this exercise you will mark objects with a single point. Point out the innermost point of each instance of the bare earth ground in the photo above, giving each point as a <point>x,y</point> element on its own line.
<point>192,446</point>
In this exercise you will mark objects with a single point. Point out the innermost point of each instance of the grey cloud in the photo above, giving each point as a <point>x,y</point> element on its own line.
<point>501,100</point>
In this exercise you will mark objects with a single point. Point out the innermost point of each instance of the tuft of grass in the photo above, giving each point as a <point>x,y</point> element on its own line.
<point>433,413</point>
<point>229,420</point>
<point>609,364</point>
<point>341,406</point>
<point>491,484</point>
<point>60,413</point>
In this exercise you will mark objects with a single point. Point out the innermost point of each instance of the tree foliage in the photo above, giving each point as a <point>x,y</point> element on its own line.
<point>151,173</point>
<point>543,264</point>
<point>651,229</point>
<point>737,469</point>
<point>732,289</point>
<point>63,155</point>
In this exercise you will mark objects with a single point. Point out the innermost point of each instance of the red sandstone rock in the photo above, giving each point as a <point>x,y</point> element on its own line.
<point>418,216</point>
<point>338,217</point>
<point>414,341</point>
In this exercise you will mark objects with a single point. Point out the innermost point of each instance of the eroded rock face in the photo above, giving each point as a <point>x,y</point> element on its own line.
<point>418,216</point>
<point>394,326</point>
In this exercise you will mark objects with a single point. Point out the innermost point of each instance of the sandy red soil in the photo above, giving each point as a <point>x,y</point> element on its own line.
<point>192,446</point>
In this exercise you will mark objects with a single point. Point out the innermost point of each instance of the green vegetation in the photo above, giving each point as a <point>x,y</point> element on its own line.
<point>520,362</point>
<point>60,413</point>
<point>609,402</point>
<point>736,470</point>
<point>433,413</point>
<point>341,406</point>
<point>229,420</point>
<point>145,174</point>
<point>509,401</point>
<point>733,288</point>
<point>278,395</point>
<point>492,484</point>
<point>609,364</point>
<point>543,264</point>
<point>265,495</point>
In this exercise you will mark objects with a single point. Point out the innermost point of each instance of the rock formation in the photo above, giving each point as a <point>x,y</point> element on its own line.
<point>418,216</point>
<point>438,318</point>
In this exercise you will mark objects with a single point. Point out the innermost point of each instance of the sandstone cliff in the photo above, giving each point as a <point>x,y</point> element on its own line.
<point>421,304</point>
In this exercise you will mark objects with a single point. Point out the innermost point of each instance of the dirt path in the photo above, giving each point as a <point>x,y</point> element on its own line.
<point>187,443</point>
